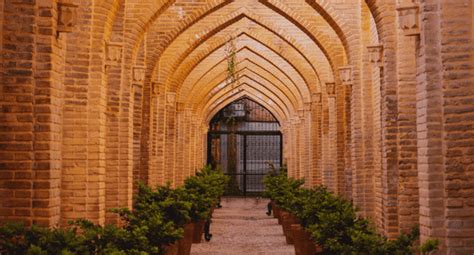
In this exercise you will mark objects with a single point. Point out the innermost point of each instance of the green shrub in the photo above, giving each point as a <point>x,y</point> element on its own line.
<point>429,246</point>
<point>156,220</point>
<point>332,220</point>
<point>282,189</point>
<point>204,191</point>
<point>83,237</point>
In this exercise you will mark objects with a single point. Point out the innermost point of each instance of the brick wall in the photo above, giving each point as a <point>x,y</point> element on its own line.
<point>77,133</point>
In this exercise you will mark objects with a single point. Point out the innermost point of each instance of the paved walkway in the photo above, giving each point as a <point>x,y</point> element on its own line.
<point>242,227</point>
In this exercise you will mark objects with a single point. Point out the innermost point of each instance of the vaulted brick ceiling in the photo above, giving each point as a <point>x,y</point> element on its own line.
<point>285,51</point>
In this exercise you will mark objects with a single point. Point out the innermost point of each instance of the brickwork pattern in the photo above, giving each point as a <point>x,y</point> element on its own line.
<point>79,127</point>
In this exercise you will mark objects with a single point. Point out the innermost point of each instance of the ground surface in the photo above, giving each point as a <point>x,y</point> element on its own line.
<point>242,227</point>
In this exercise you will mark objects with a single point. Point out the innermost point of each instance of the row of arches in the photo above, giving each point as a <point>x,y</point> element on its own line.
<point>123,91</point>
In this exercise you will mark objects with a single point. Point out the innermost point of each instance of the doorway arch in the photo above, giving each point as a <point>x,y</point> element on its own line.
<point>245,141</point>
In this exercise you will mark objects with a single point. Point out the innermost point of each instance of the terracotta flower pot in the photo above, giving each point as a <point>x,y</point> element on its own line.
<point>171,249</point>
<point>187,240</point>
<point>198,231</point>
<point>276,210</point>
<point>318,248</point>
<point>287,220</point>
<point>277,213</point>
<point>302,241</point>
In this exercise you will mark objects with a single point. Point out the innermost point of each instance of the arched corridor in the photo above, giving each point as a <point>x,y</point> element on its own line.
<point>374,99</point>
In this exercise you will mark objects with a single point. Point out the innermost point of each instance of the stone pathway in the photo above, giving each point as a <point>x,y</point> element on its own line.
<point>242,227</point>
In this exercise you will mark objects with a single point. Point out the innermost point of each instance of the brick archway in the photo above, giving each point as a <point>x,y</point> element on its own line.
<point>89,108</point>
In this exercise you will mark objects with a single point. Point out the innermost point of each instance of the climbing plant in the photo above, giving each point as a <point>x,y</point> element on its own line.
<point>231,56</point>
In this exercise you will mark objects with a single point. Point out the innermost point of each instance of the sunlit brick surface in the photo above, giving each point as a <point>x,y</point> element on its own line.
<point>80,126</point>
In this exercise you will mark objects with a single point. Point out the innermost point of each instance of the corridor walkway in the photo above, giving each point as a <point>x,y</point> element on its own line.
<point>242,227</point>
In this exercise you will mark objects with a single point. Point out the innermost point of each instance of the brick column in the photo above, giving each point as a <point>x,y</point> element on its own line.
<point>292,149</point>
<point>170,138</point>
<point>307,163</point>
<point>316,139</point>
<point>325,139</point>
<point>203,146</point>
<point>31,118</point>
<point>348,168</point>
<point>331,174</point>
<point>444,124</point>
<point>408,205</point>
<point>187,143</point>
<point>83,151</point>
<point>297,146</point>
<point>180,146</point>
<point>153,169</point>
<point>341,142</point>
<point>329,130</point>
<point>139,171</point>
<point>284,132</point>
<point>194,142</point>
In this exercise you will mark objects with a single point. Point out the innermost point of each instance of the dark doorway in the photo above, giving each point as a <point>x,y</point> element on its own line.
<point>244,140</point>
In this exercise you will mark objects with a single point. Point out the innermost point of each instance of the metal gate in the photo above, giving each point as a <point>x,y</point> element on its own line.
<point>245,146</point>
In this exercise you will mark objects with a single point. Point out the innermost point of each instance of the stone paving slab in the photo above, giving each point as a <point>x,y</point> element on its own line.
<point>242,227</point>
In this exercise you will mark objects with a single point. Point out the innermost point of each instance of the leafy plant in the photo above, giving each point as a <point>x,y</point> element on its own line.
<point>204,190</point>
<point>83,237</point>
<point>282,189</point>
<point>332,220</point>
<point>231,55</point>
<point>429,246</point>
<point>156,220</point>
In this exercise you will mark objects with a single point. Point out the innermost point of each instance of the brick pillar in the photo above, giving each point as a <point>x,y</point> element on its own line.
<point>139,171</point>
<point>376,71</point>
<point>48,107</point>
<point>292,153</point>
<point>408,205</point>
<point>84,136</point>
<point>307,164</point>
<point>203,146</point>
<point>325,140</point>
<point>180,136</point>
<point>187,143</point>
<point>284,132</point>
<point>316,140</point>
<point>331,174</point>
<point>297,160</point>
<point>153,175</point>
<point>341,140</point>
<point>30,123</point>
<point>157,162</point>
<point>348,168</point>
<point>429,106</point>
<point>112,147</point>
<point>170,138</point>
<point>194,143</point>
<point>444,124</point>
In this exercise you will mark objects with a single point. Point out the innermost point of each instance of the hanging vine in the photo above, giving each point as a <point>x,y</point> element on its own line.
<point>231,55</point>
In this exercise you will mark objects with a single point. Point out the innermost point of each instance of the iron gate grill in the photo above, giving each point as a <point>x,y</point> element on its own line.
<point>245,146</point>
